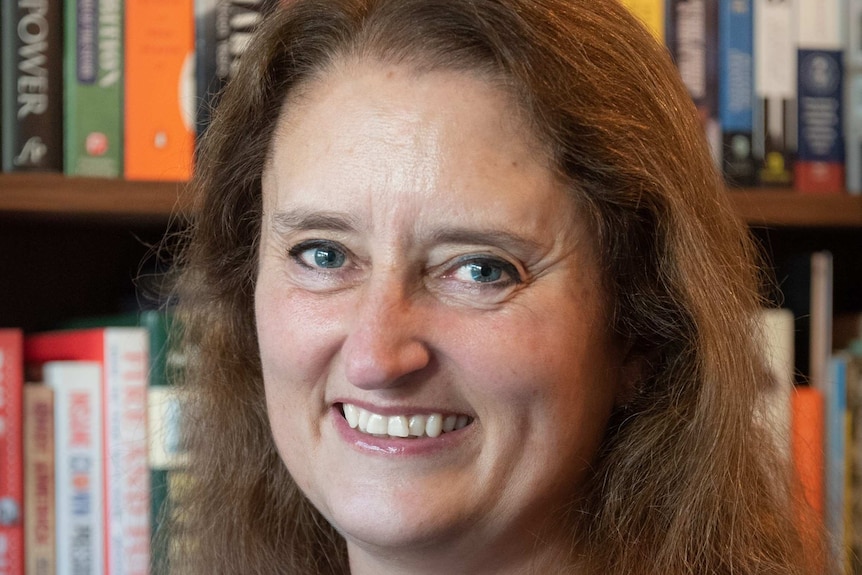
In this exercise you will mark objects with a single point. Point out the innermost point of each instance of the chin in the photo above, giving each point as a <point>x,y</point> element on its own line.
<point>404,521</point>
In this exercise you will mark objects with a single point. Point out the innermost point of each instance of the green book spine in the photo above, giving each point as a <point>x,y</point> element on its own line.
<point>31,50</point>
<point>93,68</point>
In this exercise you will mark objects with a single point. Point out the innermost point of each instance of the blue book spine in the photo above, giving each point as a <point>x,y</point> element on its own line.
<point>820,162</point>
<point>836,472</point>
<point>736,90</point>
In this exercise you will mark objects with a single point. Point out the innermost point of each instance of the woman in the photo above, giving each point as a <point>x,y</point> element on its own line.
<point>465,295</point>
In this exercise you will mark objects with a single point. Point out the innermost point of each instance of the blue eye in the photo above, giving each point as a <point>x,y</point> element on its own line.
<point>322,255</point>
<point>327,257</point>
<point>487,271</point>
<point>484,272</point>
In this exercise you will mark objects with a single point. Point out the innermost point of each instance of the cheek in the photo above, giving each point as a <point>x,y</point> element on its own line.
<point>547,372</point>
<point>295,335</point>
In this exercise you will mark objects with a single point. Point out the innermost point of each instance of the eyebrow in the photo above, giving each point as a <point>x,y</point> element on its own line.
<point>490,237</point>
<point>304,219</point>
<point>300,219</point>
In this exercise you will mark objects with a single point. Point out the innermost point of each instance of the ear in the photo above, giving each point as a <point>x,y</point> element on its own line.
<point>633,372</point>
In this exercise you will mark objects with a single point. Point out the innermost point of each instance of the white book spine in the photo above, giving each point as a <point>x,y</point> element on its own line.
<point>776,330</point>
<point>126,444</point>
<point>78,495</point>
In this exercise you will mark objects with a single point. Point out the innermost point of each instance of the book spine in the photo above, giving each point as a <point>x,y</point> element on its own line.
<point>32,108</point>
<point>820,308</point>
<point>127,497</point>
<point>736,91</point>
<point>93,117</point>
<point>819,166</point>
<point>651,13</point>
<point>210,65</point>
<point>223,28</point>
<point>775,89</point>
<point>808,434</point>
<point>11,456</point>
<point>78,471</point>
<point>164,418</point>
<point>776,327</point>
<point>853,98</point>
<point>854,405</point>
<point>835,456</point>
<point>159,94</point>
<point>39,508</point>
<point>692,38</point>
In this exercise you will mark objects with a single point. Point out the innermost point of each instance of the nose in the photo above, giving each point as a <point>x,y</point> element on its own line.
<point>384,342</point>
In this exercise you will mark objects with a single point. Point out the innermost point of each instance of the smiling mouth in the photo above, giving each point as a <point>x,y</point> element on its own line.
<point>402,426</point>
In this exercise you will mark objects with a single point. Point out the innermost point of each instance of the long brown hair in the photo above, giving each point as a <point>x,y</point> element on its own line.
<point>688,479</point>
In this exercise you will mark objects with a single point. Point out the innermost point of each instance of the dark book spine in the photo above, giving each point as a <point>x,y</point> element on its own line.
<point>692,39</point>
<point>31,45</point>
<point>222,31</point>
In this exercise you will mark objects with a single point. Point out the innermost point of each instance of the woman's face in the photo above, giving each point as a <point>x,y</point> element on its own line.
<point>434,337</point>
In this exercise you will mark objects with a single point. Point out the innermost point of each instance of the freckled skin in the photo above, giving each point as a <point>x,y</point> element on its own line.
<point>407,181</point>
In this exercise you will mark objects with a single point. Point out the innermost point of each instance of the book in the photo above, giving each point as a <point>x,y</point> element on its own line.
<point>651,13</point>
<point>164,410</point>
<point>736,91</point>
<point>820,314</point>
<point>776,331</point>
<point>775,33</point>
<point>159,89</point>
<point>853,98</point>
<point>93,89</point>
<point>39,459</point>
<point>836,471</point>
<point>123,353</point>
<point>819,165</point>
<point>79,489</point>
<point>31,49</point>
<point>692,38</point>
<point>854,404</point>
<point>807,437</point>
<point>11,452</point>
<point>223,29</point>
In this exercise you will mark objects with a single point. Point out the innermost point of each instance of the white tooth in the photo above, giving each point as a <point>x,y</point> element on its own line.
<point>398,426</point>
<point>378,424</point>
<point>461,422</point>
<point>434,425</point>
<point>351,415</point>
<point>363,419</point>
<point>449,423</point>
<point>417,425</point>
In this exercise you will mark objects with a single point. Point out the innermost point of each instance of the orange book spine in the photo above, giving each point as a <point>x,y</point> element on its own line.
<point>807,446</point>
<point>159,57</point>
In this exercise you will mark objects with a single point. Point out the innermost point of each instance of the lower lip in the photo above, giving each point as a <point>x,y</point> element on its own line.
<point>397,446</point>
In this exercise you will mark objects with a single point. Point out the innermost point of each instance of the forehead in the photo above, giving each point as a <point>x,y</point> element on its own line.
<point>356,112</point>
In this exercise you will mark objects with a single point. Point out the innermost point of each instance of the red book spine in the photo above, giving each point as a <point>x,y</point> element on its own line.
<point>11,453</point>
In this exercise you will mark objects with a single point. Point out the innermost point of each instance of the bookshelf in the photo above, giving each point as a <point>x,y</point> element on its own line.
<point>55,194</point>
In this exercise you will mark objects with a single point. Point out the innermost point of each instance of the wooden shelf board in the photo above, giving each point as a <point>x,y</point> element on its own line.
<point>789,209</point>
<point>55,194</point>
